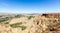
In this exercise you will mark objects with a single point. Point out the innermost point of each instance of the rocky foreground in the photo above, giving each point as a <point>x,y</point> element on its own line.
<point>45,23</point>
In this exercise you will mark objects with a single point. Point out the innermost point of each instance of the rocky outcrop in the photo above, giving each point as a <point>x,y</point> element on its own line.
<point>55,15</point>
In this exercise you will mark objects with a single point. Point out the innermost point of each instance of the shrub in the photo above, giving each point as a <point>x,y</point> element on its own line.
<point>23,27</point>
<point>30,17</point>
<point>4,19</point>
<point>18,16</point>
<point>16,25</point>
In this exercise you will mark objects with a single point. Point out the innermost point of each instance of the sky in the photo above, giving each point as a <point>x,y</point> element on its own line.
<point>29,6</point>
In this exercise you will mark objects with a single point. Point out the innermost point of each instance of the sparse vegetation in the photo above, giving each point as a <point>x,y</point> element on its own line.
<point>18,16</point>
<point>34,24</point>
<point>4,19</point>
<point>16,25</point>
<point>23,27</point>
<point>7,23</point>
<point>30,17</point>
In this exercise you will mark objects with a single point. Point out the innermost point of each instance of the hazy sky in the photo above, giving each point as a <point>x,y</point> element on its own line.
<point>29,6</point>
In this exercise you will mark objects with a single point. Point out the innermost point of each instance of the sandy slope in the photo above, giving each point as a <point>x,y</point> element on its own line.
<point>38,24</point>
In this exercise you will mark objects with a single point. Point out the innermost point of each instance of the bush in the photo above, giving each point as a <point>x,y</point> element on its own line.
<point>23,27</point>
<point>4,19</point>
<point>30,17</point>
<point>18,16</point>
<point>16,25</point>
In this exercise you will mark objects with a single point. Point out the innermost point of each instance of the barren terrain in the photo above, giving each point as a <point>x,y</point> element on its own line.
<point>39,23</point>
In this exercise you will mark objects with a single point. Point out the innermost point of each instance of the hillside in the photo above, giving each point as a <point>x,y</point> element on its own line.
<point>27,23</point>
